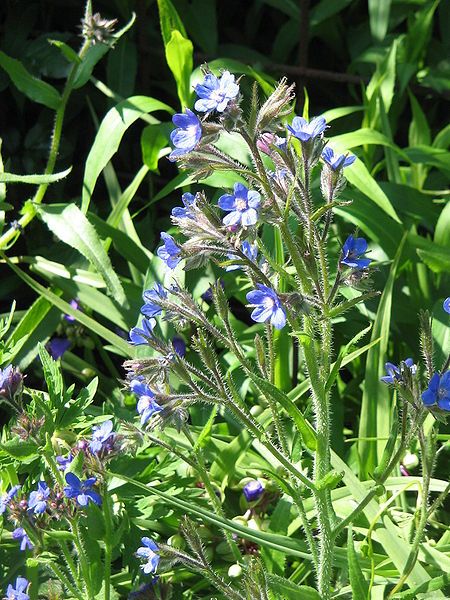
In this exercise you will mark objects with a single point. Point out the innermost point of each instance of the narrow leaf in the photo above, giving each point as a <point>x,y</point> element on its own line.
<point>72,227</point>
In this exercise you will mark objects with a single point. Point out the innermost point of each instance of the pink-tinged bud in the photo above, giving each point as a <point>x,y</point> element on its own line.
<point>403,471</point>
<point>264,142</point>
<point>83,445</point>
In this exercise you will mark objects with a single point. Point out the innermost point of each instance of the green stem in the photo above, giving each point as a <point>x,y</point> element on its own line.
<point>84,566</point>
<point>203,472</point>
<point>423,519</point>
<point>70,562</point>
<point>59,573</point>
<point>53,153</point>
<point>108,546</point>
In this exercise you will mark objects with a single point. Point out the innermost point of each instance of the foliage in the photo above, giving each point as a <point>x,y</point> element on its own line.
<point>85,190</point>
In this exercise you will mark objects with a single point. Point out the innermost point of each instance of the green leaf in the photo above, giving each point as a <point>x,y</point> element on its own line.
<point>71,226</point>
<point>109,135</point>
<point>18,448</point>
<point>435,584</point>
<point>379,18</point>
<point>383,80</point>
<point>119,343</point>
<point>268,389</point>
<point>53,377</point>
<point>437,259</point>
<point>360,587</point>
<point>33,179</point>
<point>33,88</point>
<point>375,408</point>
<point>169,20</point>
<point>66,50</point>
<point>179,56</point>
<point>359,176</point>
<point>283,588</point>
<point>154,139</point>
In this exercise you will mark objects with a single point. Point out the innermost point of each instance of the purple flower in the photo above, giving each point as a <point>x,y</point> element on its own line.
<point>214,93</point>
<point>184,212</point>
<point>438,391</point>
<point>74,304</point>
<point>150,308</point>
<point>19,591</point>
<point>354,248</point>
<point>37,502</point>
<point>20,534</point>
<point>305,131</point>
<point>10,382</point>
<point>267,306</point>
<point>242,206</point>
<point>64,461</point>
<point>57,346</point>
<point>170,251</point>
<point>187,135</point>
<point>337,162</point>
<point>147,405</point>
<point>250,251</point>
<point>6,498</point>
<point>253,490</point>
<point>179,346</point>
<point>446,305</point>
<point>102,437</point>
<point>139,336</point>
<point>148,553</point>
<point>81,490</point>
<point>395,374</point>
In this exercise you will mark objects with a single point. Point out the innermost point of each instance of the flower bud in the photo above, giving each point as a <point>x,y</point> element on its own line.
<point>253,490</point>
<point>410,461</point>
<point>10,382</point>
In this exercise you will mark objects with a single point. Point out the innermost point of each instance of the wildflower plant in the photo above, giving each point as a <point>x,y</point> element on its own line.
<point>220,428</point>
<point>294,297</point>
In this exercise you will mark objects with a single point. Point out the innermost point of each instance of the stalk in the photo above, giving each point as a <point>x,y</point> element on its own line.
<point>9,235</point>
<point>108,547</point>
<point>203,472</point>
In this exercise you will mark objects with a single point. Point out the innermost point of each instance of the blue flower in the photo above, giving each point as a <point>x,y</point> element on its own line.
<point>64,461</point>
<point>20,534</point>
<point>57,346</point>
<point>150,308</point>
<point>74,304</point>
<point>187,135</point>
<point>10,382</point>
<point>267,306</point>
<point>81,490</point>
<point>446,305</point>
<point>37,502</point>
<point>242,206</point>
<point>438,391</point>
<point>19,591</point>
<point>148,553</point>
<point>102,437</point>
<point>180,212</point>
<point>395,374</point>
<point>305,131</point>
<point>353,248</point>
<point>214,93</point>
<point>337,162</point>
<point>250,251</point>
<point>139,336</point>
<point>253,490</point>
<point>7,497</point>
<point>170,251</point>
<point>179,346</point>
<point>147,405</point>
